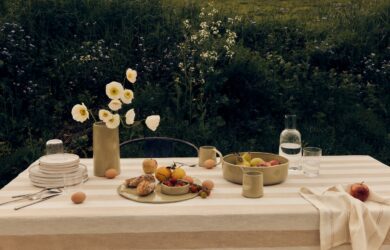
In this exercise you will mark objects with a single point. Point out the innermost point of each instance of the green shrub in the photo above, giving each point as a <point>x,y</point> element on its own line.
<point>333,72</point>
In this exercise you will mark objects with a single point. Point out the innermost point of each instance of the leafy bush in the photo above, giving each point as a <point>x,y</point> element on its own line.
<point>56,53</point>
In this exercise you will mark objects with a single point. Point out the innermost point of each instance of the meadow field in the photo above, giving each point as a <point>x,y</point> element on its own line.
<point>222,73</point>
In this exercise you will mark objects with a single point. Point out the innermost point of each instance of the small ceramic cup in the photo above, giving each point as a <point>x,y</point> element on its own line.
<point>209,152</point>
<point>252,184</point>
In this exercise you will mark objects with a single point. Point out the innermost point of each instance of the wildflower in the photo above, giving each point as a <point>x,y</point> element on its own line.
<point>113,122</point>
<point>127,96</point>
<point>131,75</point>
<point>152,122</point>
<point>114,90</point>
<point>105,115</point>
<point>130,116</point>
<point>115,105</point>
<point>80,113</point>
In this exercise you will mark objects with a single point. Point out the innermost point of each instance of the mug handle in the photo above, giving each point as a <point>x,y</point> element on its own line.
<point>220,156</point>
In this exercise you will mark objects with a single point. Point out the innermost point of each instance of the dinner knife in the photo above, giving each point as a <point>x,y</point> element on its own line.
<point>35,202</point>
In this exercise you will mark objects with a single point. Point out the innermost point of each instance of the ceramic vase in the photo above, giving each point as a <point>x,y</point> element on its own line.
<point>106,153</point>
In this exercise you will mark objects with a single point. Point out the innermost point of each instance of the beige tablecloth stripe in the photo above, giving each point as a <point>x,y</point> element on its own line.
<point>188,240</point>
<point>224,215</point>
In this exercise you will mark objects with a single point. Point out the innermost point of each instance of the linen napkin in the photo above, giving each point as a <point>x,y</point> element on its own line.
<point>345,219</point>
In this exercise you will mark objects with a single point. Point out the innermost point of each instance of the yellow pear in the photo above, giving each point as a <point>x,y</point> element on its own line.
<point>246,156</point>
<point>256,161</point>
<point>245,164</point>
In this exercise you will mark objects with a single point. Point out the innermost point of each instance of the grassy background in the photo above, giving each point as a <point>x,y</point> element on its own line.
<point>326,61</point>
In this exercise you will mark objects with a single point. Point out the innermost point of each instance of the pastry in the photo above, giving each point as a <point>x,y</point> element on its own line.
<point>145,187</point>
<point>133,182</point>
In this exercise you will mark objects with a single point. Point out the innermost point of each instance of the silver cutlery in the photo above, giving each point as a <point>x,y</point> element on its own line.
<point>185,164</point>
<point>35,202</point>
<point>33,196</point>
<point>49,190</point>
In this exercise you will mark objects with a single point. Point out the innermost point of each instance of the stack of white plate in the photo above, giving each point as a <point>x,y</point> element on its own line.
<point>58,170</point>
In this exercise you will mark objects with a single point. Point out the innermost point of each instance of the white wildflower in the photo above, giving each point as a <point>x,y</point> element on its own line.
<point>80,112</point>
<point>130,116</point>
<point>127,96</point>
<point>105,115</point>
<point>115,105</point>
<point>113,122</point>
<point>131,75</point>
<point>152,122</point>
<point>114,90</point>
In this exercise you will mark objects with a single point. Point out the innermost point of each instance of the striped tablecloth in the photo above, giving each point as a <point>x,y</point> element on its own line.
<point>281,219</point>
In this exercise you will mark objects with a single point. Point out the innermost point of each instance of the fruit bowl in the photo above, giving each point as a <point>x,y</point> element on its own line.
<point>175,190</point>
<point>271,174</point>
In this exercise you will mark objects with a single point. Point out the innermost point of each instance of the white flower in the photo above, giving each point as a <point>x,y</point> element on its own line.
<point>152,122</point>
<point>80,112</point>
<point>113,122</point>
<point>130,116</point>
<point>115,105</point>
<point>105,115</point>
<point>131,75</point>
<point>114,90</point>
<point>127,96</point>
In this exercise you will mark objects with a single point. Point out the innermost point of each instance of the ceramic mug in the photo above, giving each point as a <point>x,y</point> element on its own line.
<point>252,184</point>
<point>209,152</point>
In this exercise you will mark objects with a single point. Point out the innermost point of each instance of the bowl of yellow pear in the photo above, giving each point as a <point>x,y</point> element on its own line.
<point>274,167</point>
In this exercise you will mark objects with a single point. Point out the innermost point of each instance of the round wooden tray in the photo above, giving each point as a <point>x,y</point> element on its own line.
<point>155,197</point>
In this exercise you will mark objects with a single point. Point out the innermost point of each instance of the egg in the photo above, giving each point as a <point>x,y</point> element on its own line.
<point>78,197</point>
<point>210,163</point>
<point>111,173</point>
<point>208,184</point>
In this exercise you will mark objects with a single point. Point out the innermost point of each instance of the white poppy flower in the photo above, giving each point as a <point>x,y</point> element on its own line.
<point>131,75</point>
<point>113,122</point>
<point>130,116</point>
<point>114,90</point>
<point>127,96</point>
<point>115,105</point>
<point>105,115</point>
<point>80,112</point>
<point>152,122</point>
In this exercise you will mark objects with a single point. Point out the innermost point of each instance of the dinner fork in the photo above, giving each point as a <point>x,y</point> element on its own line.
<point>33,196</point>
<point>35,202</point>
<point>50,190</point>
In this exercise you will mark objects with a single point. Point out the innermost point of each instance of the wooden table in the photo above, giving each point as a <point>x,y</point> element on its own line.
<point>281,219</point>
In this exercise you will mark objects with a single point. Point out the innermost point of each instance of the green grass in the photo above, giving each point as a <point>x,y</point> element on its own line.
<point>313,13</point>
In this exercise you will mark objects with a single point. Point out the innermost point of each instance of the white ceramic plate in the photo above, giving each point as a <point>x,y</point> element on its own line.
<point>58,170</point>
<point>35,170</point>
<point>59,160</point>
<point>52,185</point>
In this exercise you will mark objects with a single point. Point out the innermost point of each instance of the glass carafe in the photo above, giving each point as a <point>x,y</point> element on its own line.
<point>290,145</point>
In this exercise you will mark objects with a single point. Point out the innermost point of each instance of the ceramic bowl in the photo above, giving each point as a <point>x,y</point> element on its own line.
<point>271,175</point>
<point>178,190</point>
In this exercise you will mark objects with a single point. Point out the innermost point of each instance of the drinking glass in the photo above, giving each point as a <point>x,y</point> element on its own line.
<point>311,161</point>
<point>54,146</point>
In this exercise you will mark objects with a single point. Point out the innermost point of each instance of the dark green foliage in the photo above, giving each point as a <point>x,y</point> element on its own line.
<point>54,54</point>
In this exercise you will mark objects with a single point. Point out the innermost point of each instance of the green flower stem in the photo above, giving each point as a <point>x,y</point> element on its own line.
<point>136,123</point>
<point>93,117</point>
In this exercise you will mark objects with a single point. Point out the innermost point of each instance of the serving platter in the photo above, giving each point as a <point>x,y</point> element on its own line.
<point>156,197</point>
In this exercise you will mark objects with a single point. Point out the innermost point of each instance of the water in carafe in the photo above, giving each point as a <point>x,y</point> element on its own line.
<point>290,144</point>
